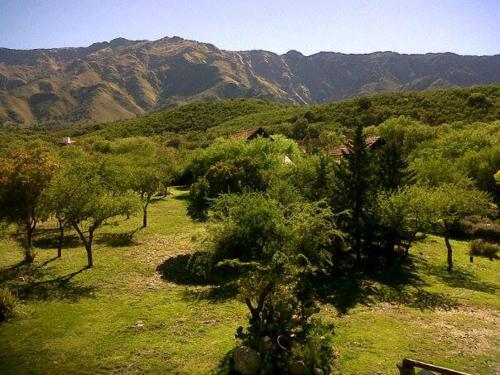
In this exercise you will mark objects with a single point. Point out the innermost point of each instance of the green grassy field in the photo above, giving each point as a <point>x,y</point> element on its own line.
<point>123,316</point>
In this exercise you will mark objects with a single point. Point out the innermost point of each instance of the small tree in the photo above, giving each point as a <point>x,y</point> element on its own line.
<point>53,205</point>
<point>85,201</point>
<point>144,169</point>
<point>24,175</point>
<point>146,181</point>
<point>450,203</point>
<point>282,336</point>
<point>228,176</point>
<point>402,215</point>
<point>300,129</point>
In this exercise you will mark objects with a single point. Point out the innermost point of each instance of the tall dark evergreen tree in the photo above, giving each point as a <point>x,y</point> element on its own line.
<point>392,167</point>
<point>351,196</point>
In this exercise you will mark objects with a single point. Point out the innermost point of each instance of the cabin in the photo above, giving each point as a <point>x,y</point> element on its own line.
<point>250,134</point>
<point>66,141</point>
<point>372,143</point>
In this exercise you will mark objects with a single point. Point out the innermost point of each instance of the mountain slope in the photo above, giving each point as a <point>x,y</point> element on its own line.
<point>122,79</point>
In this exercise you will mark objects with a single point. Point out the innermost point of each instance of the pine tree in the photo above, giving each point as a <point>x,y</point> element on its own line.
<point>354,181</point>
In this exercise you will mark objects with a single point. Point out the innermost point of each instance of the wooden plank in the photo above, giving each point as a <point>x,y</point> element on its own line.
<point>408,363</point>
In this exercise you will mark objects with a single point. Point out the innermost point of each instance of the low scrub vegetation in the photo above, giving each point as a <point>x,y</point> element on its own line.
<point>481,248</point>
<point>7,304</point>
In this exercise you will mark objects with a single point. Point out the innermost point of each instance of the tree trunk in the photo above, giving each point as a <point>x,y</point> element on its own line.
<point>450,252</point>
<point>28,250</point>
<point>29,257</point>
<point>61,238</point>
<point>90,259</point>
<point>87,243</point>
<point>145,211</point>
<point>88,248</point>
<point>145,217</point>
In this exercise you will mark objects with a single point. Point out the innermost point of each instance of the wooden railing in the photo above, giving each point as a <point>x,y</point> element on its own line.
<point>407,367</point>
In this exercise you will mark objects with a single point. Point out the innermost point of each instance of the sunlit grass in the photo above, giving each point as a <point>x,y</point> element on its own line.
<point>122,317</point>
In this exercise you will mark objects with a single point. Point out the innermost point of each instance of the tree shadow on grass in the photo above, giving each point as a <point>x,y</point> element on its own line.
<point>60,288</point>
<point>181,269</point>
<point>461,278</point>
<point>213,293</point>
<point>118,239</point>
<point>399,283</point>
<point>182,197</point>
<point>190,270</point>
<point>28,282</point>
<point>47,241</point>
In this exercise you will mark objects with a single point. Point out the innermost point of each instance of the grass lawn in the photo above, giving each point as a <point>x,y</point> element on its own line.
<point>123,317</point>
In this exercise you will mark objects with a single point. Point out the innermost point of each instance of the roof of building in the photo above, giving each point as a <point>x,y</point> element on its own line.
<point>371,143</point>
<point>252,133</point>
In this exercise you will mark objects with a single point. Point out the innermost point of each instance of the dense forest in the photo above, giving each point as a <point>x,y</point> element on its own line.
<point>323,195</point>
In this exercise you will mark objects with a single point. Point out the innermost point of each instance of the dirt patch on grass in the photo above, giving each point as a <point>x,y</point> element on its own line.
<point>455,326</point>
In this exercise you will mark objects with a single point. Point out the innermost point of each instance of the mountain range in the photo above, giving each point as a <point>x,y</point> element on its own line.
<point>121,79</point>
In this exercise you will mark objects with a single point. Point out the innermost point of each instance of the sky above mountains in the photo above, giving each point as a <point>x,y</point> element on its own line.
<point>349,26</point>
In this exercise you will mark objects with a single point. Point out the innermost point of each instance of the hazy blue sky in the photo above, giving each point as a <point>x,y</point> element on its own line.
<point>357,26</point>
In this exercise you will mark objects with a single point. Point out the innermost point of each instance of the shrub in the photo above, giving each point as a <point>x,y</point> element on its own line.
<point>7,304</point>
<point>480,228</point>
<point>282,333</point>
<point>198,199</point>
<point>484,249</point>
<point>252,227</point>
<point>228,176</point>
<point>232,176</point>
<point>478,100</point>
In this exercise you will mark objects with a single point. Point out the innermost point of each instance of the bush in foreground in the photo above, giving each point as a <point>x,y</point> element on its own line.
<point>282,336</point>
<point>7,304</point>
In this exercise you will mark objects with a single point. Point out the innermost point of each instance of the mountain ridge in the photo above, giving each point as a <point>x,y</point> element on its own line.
<point>121,79</point>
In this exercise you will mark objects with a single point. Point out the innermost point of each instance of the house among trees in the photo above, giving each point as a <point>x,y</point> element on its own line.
<point>372,143</point>
<point>66,141</point>
<point>250,134</point>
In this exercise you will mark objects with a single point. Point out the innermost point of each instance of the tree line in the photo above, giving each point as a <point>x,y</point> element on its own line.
<point>81,187</point>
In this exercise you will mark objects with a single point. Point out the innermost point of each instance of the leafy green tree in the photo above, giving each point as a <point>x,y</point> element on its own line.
<point>54,206</point>
<point>84,198</point>
<point>147,181</point>
<point>479,100</point>
<point>402,215</point>
<point>268,154</point>
<point>450,203</point>
<point>228,176</point>
<point>252,227</point>
<point>171,164</point>
<point>330,140</point>
<point>142,169</point>
<point>392,168</point>
<point>300,129</point>
<point>24,176</point>
<point>405,132</point>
